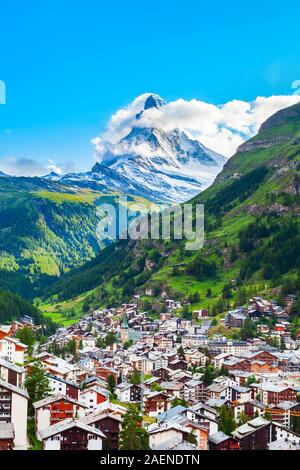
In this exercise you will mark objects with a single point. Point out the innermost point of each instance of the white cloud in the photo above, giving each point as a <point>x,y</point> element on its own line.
<point>30,167</point>
<point>220,127</point>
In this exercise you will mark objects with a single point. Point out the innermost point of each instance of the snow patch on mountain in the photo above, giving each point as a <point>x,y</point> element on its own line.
<point>171,166</point>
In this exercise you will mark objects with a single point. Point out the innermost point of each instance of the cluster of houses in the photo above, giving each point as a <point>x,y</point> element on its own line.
<point>160,366</point>
<point>258,308</point>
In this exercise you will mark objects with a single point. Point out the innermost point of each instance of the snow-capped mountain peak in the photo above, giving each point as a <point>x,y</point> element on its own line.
<point>164,166</point>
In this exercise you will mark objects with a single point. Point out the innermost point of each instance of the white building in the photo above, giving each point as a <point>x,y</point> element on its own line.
<point>11,349</point>
<point>13,406</point>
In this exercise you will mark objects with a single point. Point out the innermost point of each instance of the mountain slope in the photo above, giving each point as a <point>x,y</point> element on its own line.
<point>163,166</point>
<point>252,234</point>
<point>46,229</point>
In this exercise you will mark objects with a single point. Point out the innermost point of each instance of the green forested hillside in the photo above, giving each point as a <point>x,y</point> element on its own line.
<point>13,307</point>
<point>252,235</point>
<point>46,229</point>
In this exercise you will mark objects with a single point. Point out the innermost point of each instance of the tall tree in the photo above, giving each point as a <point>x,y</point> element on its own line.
<point>37,384</point>
<point>111,381</point>
<point>191,438</point>
<point>26,336</point>
<point>227,422</point>
<point>133,436</point>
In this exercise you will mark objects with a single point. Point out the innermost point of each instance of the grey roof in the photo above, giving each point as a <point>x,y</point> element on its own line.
<point>218,437</point>
<point>53,398</point>
<point>257,403</point>
<point>68,424</point>
<point>172,385</point>
<point>240,389</point>
<point>123,386</point>
<point>94,417</point>
<point>285,405</point>
<point>175,444</point>
<point>58,379</point>
<point>250,427</point>
<point>11,366</point>
<point>171,413</point>
<point>216,403</point>
<point>14,389</point>
<point>203,406</point>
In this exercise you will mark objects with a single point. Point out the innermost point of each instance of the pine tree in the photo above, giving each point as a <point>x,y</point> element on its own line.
<point>180,352</point>
<point>111,381</point>
<point>208,375</point>
<point>26,336</point>
<point>242,418</point>
<point>133,436</point>
<point>191,438</point>
<point>227,422</point>
<point>37,384</point>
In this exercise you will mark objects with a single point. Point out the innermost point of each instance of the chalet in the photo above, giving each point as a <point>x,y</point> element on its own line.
<point>173,389</point>
<point>27,320</point>
<point>219,359</point>
<point>179,375</point>
<point>57,367</point>
<point>127,392</point>
<point>166,432</point>
<point>236,319</point>
<point>93,396</point>
<point>178,364</point>
<point>199,414</point>
<point>285,413</point>
<point>197,429</point>
<point>220,441</point>
<point>270,393</point>
<point>254,435</point>
<point>254,408</point>
<point>194,391</point>
<point>109,424</point>
<point>63,387</point>
<point>156,403</point>
<point>105,372</point>
<point>202,313</point>
<point>163,373</point>
<point>56,408</point>
<point>195,357</point>
<point>240,394</point>
<point>164,341</point>
<point>218,391</point>
<point>72,435</point>
<point>13,406</point>
<point>262,305</point>
<point>7,436</point>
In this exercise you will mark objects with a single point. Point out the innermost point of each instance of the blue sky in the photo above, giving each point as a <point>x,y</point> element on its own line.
<point>68,65</point>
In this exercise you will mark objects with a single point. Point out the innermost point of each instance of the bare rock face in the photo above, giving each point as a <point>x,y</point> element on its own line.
<point>262,144</point>
<point>257,210</point>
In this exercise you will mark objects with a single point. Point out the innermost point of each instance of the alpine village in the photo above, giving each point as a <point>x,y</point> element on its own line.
<point>142,344</point>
